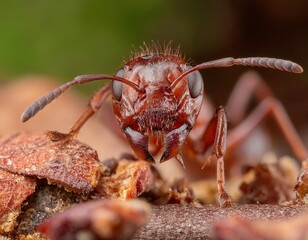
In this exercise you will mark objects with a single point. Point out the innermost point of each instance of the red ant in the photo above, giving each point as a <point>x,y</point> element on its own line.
<point>157,97</point>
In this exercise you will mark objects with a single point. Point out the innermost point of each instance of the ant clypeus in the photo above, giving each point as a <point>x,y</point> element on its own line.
<point>157,97</point>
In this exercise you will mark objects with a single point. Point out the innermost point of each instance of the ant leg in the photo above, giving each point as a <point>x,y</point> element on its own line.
<point>94,105</point>
<point>216,135</point>
<point>205,115</point>
<point>251,84</point>
<point>269,107</point>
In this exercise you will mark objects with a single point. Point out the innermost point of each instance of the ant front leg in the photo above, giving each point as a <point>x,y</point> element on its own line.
<point>216,135</point>
<point>94,105</point>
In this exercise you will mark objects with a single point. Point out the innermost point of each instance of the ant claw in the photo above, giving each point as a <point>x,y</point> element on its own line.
<point>225,200</point>
<point>56,136</point>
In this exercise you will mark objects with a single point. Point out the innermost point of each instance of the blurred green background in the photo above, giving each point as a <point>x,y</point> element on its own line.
<point>64,39</point>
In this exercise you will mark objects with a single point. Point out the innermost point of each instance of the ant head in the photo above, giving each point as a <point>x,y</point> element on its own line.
<point>158,112</point>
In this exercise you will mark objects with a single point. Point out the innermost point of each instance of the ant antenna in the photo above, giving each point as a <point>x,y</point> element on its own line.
<point>274,63</point>
<point>43,101</point>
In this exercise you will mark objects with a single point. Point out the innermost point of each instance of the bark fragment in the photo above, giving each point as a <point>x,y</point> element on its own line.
<point>270,183</point>
<point>72,164</point>
<point>14,189</point>
<point>301,187</point>
<point>129,180</point>
<point>102,219</point>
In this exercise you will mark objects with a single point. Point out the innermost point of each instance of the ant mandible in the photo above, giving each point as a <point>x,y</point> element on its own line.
<point>157,97</point>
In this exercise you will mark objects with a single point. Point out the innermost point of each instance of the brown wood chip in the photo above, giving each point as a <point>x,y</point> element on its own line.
<point>70,164</point>
<point>14,189</point>
<point>130,180</point>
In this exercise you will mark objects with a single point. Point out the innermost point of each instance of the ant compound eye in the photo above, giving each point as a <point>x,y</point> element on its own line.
<point>117,86</point>
<point>120,73</point>
<point>195,83</point>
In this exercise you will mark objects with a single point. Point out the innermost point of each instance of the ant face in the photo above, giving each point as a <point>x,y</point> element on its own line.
<point>158,112</point>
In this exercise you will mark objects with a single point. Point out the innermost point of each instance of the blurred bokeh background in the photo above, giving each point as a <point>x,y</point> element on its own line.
<point>63,39</point>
